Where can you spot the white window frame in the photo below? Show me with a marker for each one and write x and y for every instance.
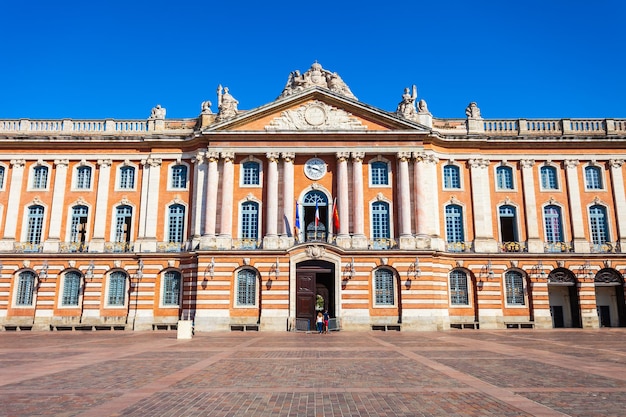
(16, 285)
(241, 172)
(601, 177)
(170, 174)
(180, 290)
(3, 182)
(118, 176)
(62, 279)
(379, 159)
(166, 216)
(76, 170)
(443, 175)
(607, 222)
(513, 181)
(249, 199)
(468, 286)
(557, 173)
(381, 198)
(524, 290)
(564, 238)
(25, 217)
(31, 176)
(70, 216)
(108, 287)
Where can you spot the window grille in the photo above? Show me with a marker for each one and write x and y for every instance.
(117, 289)
(176, 221)
(454, 223)
(79, 221)
(40, 177)
(593, 178)
(504, 176)
(83, 177)
(249, 220)
(552, 219)
(548, 178)
(458, 288)
(380, 220)
(599, 229)
(451, 177)
(127, 178)
(35, 224)
(383, 287)
(122, 222)
(514, 284)
(246, 287)
(71, 289)
(25, 288)
(1, 176)
(171, 288)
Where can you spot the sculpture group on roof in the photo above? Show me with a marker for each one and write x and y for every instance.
(158, 113)
(316, 76)
(226, 104)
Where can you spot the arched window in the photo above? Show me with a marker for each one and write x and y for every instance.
(458, 288)
(123, 222)
(514, 285)
(249, 220)
(454, 223)
(25, 288)
(171, 288)
(251, 173)
(35, 225)
(598, 224)
(451, 177)
(384, 290)
(380, 220)
(379, 173)
(78, 227)
(127, 178)
(40, 177)
(176, 223)
(315, 208)
(246, 287)
(549, 179)
(117, 289)
(179, 176)
(508, 223)
(83, 177)
(593, 178)
(553, 224)
(71, 289)
(504, 177)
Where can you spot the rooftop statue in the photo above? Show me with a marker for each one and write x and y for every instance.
(316, 76)
(406, 108)
(472, 111)
(158, 113)
(206, 107)
(226, 104)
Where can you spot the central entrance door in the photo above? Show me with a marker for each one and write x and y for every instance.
(315, 291)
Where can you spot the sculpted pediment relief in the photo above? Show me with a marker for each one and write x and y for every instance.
(315, 115)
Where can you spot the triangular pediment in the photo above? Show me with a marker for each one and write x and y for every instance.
(316, 110)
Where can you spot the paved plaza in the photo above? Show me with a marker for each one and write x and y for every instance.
(455, 373)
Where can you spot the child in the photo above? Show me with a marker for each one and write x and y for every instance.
(326, 318)
(320, 322)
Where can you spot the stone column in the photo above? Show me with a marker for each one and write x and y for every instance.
(581, 244)
(224, 240)
(13, 205)
(359, 240)
(149, 216)
(287, 239)
(102, 201)
(343, 237)
(617, 179)
(404, 198)
(270, 241)
(208, 240)
(481, 202)
(56, 210)
(426, 202)
(198, 200)
(535, 244)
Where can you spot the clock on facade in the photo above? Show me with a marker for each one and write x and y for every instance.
(315, 168)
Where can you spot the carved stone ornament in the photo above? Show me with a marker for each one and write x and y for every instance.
(316, 76)
(527, 163)
(26, 263)
(315, 116)
(117, 263)
(71, 263)
(561, 276)
(315, 251)
(514, 263)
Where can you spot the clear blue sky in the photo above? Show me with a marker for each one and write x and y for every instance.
(118, 59)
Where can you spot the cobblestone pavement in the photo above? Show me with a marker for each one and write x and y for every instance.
(384, 374)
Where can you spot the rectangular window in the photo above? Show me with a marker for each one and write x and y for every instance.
(514, 288)
(548, 178)
(458, 288)
(83, 178)
(179, 176)
(451, 177)
(71, 289)
(25, 287)
(246, 287)
(379, 173)
(171, 288)
(40, 177)
(251, 173)
(117, 289)
(127, 178)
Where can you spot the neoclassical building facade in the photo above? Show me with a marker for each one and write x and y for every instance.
(256, 219)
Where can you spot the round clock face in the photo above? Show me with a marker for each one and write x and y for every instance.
(315, 168)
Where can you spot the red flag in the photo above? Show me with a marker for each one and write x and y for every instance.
(335, 215)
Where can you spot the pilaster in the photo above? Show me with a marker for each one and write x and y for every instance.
(56, 211)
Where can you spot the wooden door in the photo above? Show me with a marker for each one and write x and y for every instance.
(305, 297)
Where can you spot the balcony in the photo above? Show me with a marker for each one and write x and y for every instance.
(558, 247)
(119, 247)
(246, 244)
(27, 247)
(459, 247)
(514, 247)
(71, 247)
(382, 243)
(172, 246)
(606, 247)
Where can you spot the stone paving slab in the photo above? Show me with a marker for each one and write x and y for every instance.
(384, 374)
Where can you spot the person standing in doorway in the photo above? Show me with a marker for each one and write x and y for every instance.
(320, 322)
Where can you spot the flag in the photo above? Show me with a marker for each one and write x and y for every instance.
(317, 215)
(335, 216)
(297, 224)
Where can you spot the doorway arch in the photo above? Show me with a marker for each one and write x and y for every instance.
(564, 300)
(609, 288)
(315, 280)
